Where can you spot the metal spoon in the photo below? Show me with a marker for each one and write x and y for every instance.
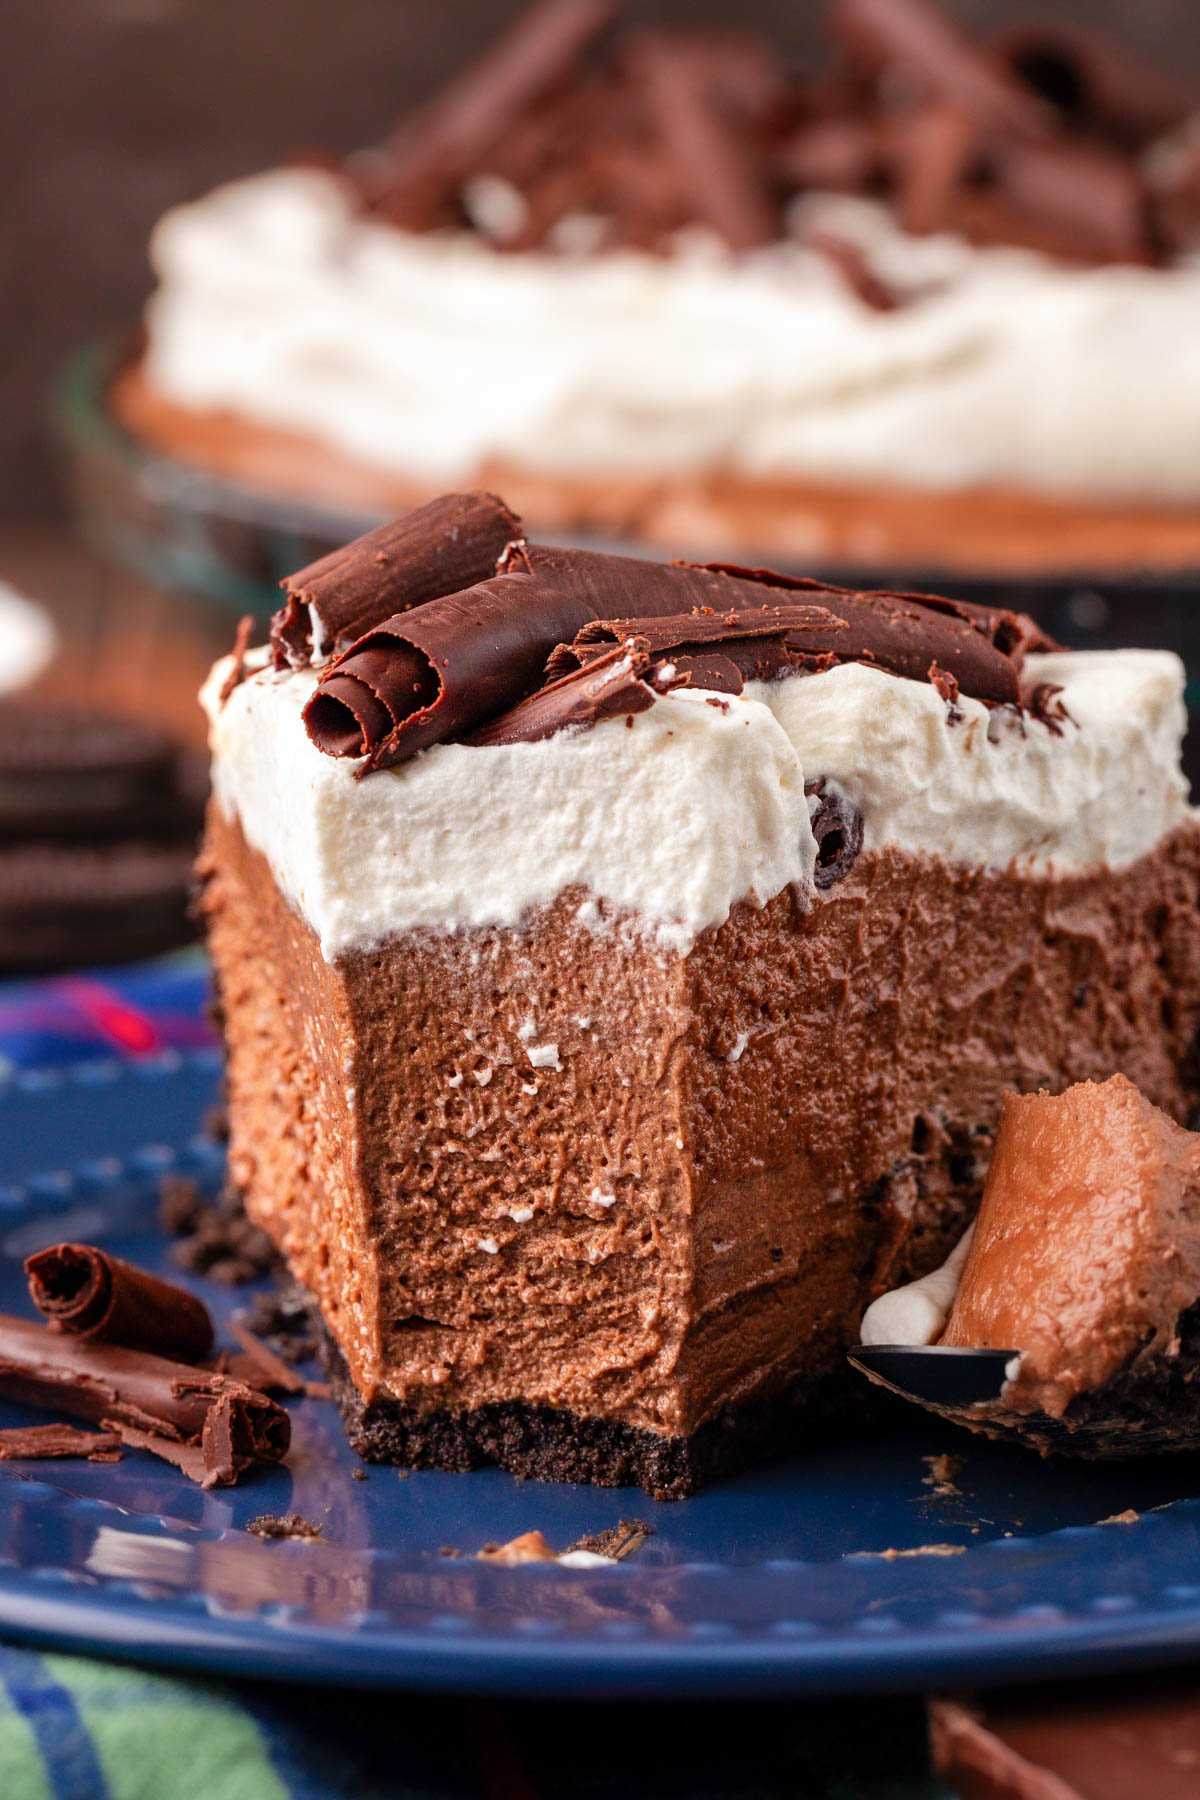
(966, 1385)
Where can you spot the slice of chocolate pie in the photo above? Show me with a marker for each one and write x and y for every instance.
(622, 963)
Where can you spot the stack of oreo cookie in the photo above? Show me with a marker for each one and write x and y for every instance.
(98, 820)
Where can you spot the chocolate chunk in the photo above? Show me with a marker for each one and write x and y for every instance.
(92, 1295)
(450, 544)
(29, 1443)
(922, 43)
(837, 826)
(210, 1425)
(444, 141)
(713, 163)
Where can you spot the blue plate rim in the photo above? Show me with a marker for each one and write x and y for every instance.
(771, 1655)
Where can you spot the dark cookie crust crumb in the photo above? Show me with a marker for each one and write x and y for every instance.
(545, 1444)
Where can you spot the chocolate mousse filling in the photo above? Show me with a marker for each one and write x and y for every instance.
(674, 1230)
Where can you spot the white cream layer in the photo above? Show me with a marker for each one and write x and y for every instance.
(699, 802)
(433, 355)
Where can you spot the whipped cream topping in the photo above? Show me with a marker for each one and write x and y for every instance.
(432, 355)
(27, 639)
(916, 1313)
(696, 803)
(699, 803)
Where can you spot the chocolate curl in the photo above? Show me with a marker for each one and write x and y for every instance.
(209, 1425)
(1094, 81)
(906, 634)
(843, 153)
(713, 161)
(443, 669)
(610, 684)
(718, 651)
(916, 37)
(1073, 200)
(443, 142)
(94, 1296)
(933, 152)
(449, 544)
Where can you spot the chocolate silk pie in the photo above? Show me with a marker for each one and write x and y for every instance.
(931, 306)
(622, 963)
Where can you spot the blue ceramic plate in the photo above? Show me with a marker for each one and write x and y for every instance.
(842, 1569)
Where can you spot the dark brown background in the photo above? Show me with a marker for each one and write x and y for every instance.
(112, 109)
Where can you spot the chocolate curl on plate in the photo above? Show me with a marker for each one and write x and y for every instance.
(211, 1426)
(611, 683)
(445, 668)
(851, 263)
(1095, 82)
(449, 544)
(710, 152)
(443, 142)
(94, 1296)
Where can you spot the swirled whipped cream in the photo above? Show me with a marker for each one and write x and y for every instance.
(430, 355)
(678, 814)
(27, 639)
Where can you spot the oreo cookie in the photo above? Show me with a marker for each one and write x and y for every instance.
(99, 817)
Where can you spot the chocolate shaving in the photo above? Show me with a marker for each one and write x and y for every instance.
(237, 669)
(450, 544)
(30, 1443)
(850, 261)
(837, 826)
(444, 141)
(712, 161)
(454, 665)
(541, 145)
(445, 668)
(606, 686)
(94, 1296)
(917, 39)
(259, 1367)
(211, 1425)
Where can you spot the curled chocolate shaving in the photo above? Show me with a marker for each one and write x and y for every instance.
(445, 668)
(926, 44)
(210, 1425)
(444, 141)
(713, 162)
(237, 663)
(92, 1295)
(449, 544)
(837, 826)
(606, 686)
